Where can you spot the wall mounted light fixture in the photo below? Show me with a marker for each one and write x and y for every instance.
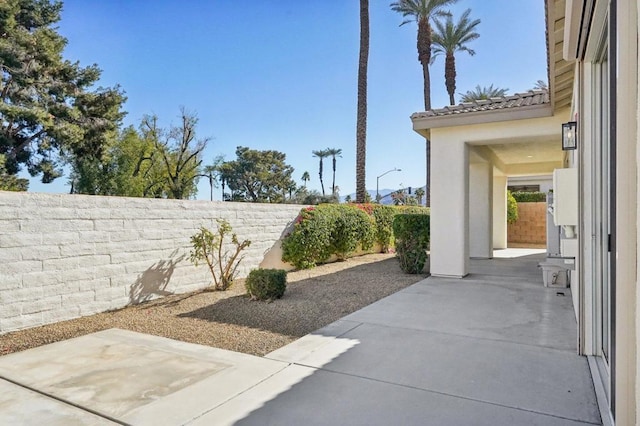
(569, 135)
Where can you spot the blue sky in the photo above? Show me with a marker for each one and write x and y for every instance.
(281, 74)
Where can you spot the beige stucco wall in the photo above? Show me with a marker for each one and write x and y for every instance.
(64, 256)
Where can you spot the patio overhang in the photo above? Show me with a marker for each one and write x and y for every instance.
(475, 146)
(423, 122)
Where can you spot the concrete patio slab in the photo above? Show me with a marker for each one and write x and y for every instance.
(327, 398)
(495, 348)
(480, 306)
(20, 406)
(136, 378)
(526, 377)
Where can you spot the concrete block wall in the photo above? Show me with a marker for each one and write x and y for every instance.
(65, 256)
(531, 226)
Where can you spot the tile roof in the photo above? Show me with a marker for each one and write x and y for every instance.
(518, 100)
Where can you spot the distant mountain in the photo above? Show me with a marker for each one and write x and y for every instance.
(385, 195)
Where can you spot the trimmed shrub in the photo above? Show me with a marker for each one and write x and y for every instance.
(266, 284)
(383, 216)
(326, 230)
(352, 229)
(339, 229)
(529, 197)
(412, 241)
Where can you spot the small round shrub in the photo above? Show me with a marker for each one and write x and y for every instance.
(266, 284)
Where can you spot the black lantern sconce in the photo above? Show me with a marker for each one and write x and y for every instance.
(569, 135)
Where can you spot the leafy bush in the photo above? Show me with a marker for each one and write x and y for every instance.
(383, 216)
(266, 284)
(310, 241)
(512, 208)
(339, 230)
(529, 197)
(208, 247)
(412, 241)
(352, 229)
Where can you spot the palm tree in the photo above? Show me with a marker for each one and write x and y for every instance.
(480, 93)
(419, 195)
(423, 11)
(321, 154)
(306, 178)
(541, 85)
(450, 38)
(361, 120)
(334, 152)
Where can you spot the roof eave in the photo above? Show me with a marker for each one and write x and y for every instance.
(421, 125)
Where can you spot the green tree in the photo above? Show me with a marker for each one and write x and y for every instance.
(361, 117)
(334, 152)
(121, 170)
(422, 12)
(449, 38)
(49, 110)
(258, 176)
(480, 93)
(211, 172)
(321, 154)
(306, 178)
(178, 154)
(11, 182)
(419, 195)
(152, 162)
(541, 85)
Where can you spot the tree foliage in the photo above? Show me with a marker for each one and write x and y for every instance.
(480, 93)
(258, 176)
(450, 37)
(49, 109)
(152, 162)
(11, 182)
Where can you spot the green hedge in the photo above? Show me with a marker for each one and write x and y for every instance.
(512, 208)
(340, 229)
(529, 197)
(412, 241)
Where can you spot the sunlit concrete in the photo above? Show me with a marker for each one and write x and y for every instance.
(494, 348)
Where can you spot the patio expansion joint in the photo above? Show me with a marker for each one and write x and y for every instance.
(509, 342)
(229, 398)
(449, 395)
(64, 401)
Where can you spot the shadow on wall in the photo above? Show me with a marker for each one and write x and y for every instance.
(273, 256)
(153, 282)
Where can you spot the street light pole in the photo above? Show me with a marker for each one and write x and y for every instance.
(378, 182)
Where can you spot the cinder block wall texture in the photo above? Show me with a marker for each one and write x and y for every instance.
(65, 256)
(531, 226)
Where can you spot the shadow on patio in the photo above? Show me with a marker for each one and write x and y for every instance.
(494, 348)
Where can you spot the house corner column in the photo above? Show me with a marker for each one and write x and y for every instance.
(449, 208)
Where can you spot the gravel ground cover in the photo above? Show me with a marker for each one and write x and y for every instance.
(230, 320)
